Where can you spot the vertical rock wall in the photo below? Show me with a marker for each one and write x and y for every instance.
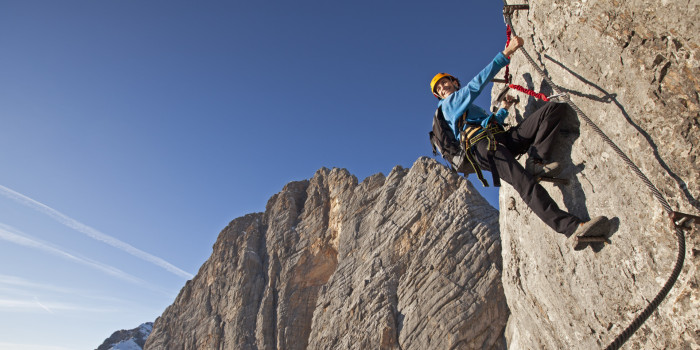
(407, 261)
(634, 68)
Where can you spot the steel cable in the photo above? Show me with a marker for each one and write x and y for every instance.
(654, 304)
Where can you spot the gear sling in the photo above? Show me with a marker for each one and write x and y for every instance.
(459, 154)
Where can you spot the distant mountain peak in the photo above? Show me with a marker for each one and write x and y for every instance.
(132, 339)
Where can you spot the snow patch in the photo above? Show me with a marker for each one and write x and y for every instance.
(126, 345)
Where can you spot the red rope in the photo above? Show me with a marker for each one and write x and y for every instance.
(508, 33)
(538, 95)
(507, 42)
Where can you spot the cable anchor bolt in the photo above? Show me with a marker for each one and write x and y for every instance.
(562, 95)
(684, 221)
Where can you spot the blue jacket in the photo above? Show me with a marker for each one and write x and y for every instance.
(454, 105)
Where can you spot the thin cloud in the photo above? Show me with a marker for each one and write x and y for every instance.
(41, 305)
(12, 235)
(24, 305)
(17, 346)
(21, 282)
(20, 286)
(91, 232)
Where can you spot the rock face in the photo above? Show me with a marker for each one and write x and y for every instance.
(634, 68)
(407, 261)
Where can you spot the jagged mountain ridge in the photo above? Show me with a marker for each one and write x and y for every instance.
(410, 260)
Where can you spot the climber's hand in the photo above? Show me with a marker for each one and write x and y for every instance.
(515, 43)
(508, 101)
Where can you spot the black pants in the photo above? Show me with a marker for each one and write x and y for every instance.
(538, 131)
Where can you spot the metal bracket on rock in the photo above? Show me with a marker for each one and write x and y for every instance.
(555, 180)
(502, 94)
(684, 221)
(508, 10)
(594, 239)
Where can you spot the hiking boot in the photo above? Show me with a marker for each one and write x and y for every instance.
(593, 231)
(538, 168)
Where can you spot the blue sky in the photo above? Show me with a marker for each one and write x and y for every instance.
(134, 131)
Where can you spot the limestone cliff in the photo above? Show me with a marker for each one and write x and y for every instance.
(407, 261)
(632, 67)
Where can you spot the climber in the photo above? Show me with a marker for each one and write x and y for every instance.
(493, 146)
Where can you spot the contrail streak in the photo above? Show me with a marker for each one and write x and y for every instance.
(91, 232)
(43, 306)
(20, 286)
(12, 235)
(28, 305)
(16, 346)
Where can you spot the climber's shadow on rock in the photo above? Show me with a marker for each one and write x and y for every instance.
(573, 195)
(612, 97)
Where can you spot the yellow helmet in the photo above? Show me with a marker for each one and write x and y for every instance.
(437, 78)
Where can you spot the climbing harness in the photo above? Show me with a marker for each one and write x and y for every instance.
(475, 133)
(680, 221)
(458, 154)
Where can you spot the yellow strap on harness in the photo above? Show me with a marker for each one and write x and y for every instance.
(488, 134)
(493, 129)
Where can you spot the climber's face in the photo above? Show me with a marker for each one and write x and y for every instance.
(445, 87)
